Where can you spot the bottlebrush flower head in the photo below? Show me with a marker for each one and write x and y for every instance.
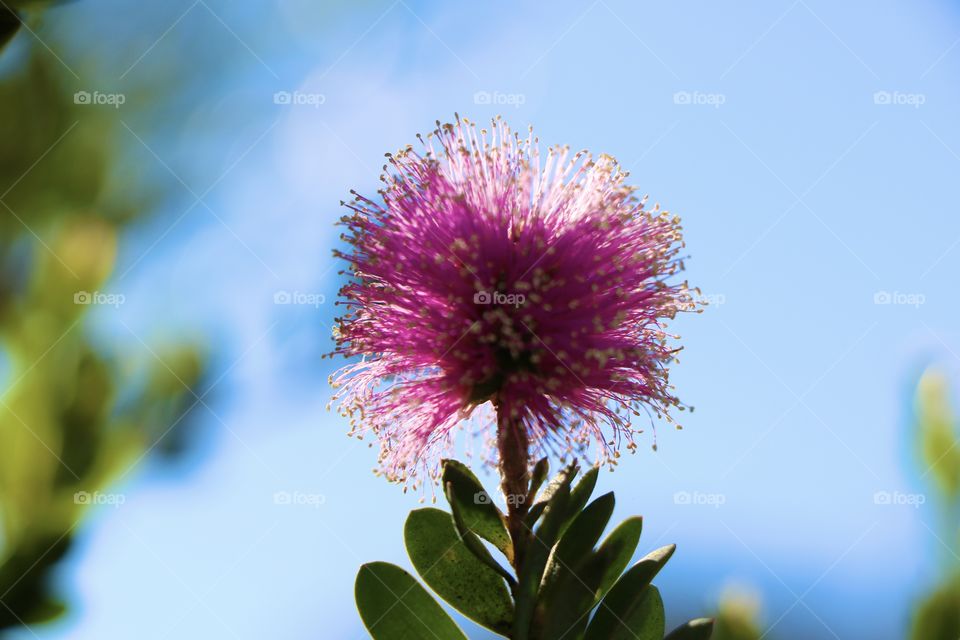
(488, 279)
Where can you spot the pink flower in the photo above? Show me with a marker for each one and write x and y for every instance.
(487, 276)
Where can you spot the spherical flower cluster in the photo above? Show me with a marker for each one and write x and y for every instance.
(491, 284)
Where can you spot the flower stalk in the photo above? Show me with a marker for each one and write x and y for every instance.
(514, 450)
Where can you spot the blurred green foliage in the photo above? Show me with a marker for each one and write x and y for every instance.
(937, 615)
(936, 433)
(737, 617)
(73, 415)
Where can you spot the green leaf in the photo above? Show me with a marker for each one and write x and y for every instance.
(537, 478)
(538, 550)
(626, 598)
(564, 604)
(617, 549)
(579, 495)
(562, 612)
(565, 477)
(394, 606)
(534, 514)
(578, 541)
(582, 492)
(474, 506)
(648, 567)
(699, 629)
(629, 616)
(473, 544)
(451, 570)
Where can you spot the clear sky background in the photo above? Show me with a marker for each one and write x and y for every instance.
(805, 194)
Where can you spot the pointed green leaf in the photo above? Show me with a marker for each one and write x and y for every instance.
(534, 514)
(451, 570)
(477, 548)
(565, 477)
(647, 568)
(564, 604)
(617, 549)
(582, 492)
(394, 606)
(540, 472)
(699, 629)
(541, 542)
(579, 539)
(476, 509)
(579, 495)
(562, 611)
(630, 616)
(626, 597)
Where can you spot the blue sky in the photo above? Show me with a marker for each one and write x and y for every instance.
(810, 148)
